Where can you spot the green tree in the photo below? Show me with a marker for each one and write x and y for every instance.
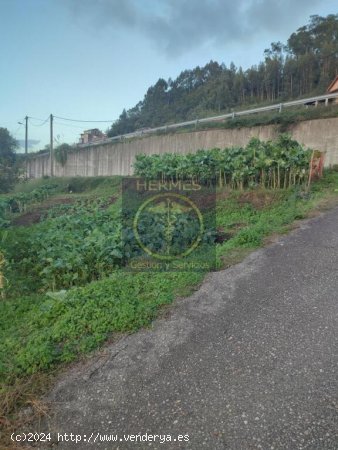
(8, 167)
(303, 67)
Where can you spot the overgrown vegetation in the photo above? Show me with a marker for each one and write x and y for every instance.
(61, 153)
(40, 329)
(282, 120)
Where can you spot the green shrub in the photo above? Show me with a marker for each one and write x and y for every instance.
(61, 153)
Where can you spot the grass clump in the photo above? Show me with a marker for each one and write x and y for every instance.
(59, 326)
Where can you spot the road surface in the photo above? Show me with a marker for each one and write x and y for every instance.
(249, 361)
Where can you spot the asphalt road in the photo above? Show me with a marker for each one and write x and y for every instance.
(248, 362)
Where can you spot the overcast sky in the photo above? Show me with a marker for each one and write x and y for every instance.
(89, 59)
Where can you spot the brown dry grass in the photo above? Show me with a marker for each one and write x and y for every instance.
(259, 199)
(20, 405)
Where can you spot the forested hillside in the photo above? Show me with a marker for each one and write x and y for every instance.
(304, 65)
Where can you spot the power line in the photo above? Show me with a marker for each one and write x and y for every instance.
(37, 118)
(17, 130)
(68, 125)
(88, 121)
(41, 120)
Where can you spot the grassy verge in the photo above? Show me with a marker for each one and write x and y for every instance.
(42, 332)
(282, 120)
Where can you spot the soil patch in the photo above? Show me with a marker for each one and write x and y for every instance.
(222, 236)
(34, 215)
(258, 199)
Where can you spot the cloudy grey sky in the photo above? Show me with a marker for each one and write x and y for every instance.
(87, 59)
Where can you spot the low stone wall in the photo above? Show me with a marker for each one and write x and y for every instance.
(117, 158)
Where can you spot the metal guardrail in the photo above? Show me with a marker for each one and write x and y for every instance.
(278, 106)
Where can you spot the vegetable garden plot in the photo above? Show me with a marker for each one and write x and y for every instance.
(273, 165)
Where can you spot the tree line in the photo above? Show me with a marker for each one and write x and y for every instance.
(303, 66)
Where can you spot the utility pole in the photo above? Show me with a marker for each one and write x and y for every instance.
(51, 145)
(26, 147)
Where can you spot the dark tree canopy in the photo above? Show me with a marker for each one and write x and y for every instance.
(303, 66)
(8, 169)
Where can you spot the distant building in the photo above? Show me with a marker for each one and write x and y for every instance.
(92, 135)
(333, 88)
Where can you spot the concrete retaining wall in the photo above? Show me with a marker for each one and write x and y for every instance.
(117, 158)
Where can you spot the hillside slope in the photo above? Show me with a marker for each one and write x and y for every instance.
(302, 67)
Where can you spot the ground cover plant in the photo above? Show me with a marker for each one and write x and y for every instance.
(65, 290)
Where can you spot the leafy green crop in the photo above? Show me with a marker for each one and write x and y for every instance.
(70, 249)
(17, 203)
(274, 165)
